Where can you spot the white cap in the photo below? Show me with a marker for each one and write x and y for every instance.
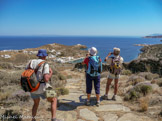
(93, 51)
(116, 49)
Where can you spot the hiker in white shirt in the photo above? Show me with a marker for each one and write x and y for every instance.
(43, 75)
(115, 66)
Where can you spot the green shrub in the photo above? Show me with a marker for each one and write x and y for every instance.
(69, 77)
(61, 77)
(62, 91)
(56, 82)
(137, 92)
(145, 89)
(126, 72)
(134, 95)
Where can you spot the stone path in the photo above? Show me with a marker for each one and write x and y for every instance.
(72, 108)
(73, 104)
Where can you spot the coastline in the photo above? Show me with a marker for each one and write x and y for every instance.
(103, 44)
(56, 52)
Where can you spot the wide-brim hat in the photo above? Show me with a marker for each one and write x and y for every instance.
(116, 49)
(42, 53)
(93, 51)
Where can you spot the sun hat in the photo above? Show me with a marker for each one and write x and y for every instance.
(93, 51)
(116, 49)
(42, 53)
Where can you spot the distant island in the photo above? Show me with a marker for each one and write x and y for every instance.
(153, 36)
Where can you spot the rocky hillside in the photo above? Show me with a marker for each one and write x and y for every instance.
(139, 95)
(56, 53)
(149, 60)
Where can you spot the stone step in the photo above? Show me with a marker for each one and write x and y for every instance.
(112, 108)
(88, 115)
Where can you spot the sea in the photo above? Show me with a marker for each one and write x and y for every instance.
(103, 44)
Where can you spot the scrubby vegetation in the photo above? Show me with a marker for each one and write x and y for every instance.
(10, 89)
(133, 80)
(138, 91)
(62, 91)
(159, 82)
(126, 72)
(6, 65)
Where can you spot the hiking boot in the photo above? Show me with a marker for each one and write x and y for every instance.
(87, 103)
(105, 97)
(98, 103)
(114, 98)
(55, 119)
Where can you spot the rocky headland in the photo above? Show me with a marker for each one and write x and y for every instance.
(149, 60)
(139, 95)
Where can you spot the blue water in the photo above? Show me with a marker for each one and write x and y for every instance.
(103, 44)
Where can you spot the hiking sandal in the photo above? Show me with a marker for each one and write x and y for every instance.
(88, 103)
(98, 103)
(105, 97)
(114, 98)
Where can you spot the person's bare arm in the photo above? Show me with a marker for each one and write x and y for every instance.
(48, 76)
(107, 56)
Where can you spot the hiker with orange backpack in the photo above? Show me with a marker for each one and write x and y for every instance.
(94, 68)
(115, 67)
(43, 74)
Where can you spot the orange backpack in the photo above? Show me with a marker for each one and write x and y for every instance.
(29, 82)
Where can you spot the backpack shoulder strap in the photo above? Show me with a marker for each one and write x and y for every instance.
(112, 59)
(39, 65)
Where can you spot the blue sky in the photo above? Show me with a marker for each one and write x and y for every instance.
(80, 17)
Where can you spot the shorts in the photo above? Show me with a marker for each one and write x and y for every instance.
(112, 76)
(36, 96)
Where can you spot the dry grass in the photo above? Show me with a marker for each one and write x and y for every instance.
(144, 104)
(4, 95)
(133, 80)
(5, 65)
(8, 78)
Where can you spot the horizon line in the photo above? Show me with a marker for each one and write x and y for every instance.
(71, 36)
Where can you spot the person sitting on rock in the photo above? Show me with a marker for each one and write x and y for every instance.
(94, 68)
(115, 66)
(43, 75)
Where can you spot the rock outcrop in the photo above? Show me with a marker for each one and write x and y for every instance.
(150, 60)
